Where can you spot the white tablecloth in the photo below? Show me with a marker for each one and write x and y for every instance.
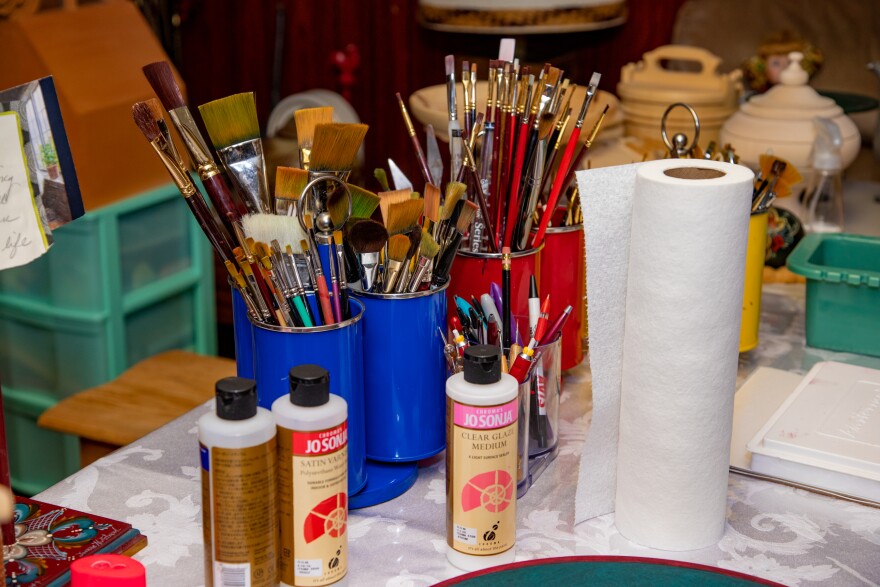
(774, 532)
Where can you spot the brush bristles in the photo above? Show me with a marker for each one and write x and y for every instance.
(404, 215)
(156, 108)
(161, 79)
(468, 213)
(594, 80)
(231, 120)
(335, 146)
(307, 119)
(289, 182)
(545, 126)
(450, 65)
(454, 191)
(367, 236)
(432, 202)
(268, 227)
(144, 119)
(429, 247)
(398, 246)
(363, 202)
(415, 239)
(386, 199)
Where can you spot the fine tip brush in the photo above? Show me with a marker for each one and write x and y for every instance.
(234, 129)
(161, 78)
(145, 117)
(454, 127)
(306, 119)
(411, 130)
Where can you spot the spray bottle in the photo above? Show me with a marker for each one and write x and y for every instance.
(312, 480)
(824, 201)
(481, 462)
(237, 446)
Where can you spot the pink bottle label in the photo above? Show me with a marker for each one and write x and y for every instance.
(484, 417)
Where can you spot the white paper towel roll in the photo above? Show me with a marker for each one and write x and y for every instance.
(678, 353)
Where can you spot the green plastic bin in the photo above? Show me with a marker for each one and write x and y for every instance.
(843, 291)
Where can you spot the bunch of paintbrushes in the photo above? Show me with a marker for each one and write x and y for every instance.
(773, 180)
(284, 251)
(508, 155)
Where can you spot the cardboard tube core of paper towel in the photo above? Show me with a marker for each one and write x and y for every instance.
(694, 173)
(680, 348)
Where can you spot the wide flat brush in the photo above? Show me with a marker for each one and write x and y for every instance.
(234, 129)
(404, 215)
(161, 79)
(289, 185)
(144, 117)
(336, 146)
(388, 198)
(398, 246)
(306, 119)
(454, 192)
(367, 238)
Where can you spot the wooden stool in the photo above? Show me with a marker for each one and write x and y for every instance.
(146, 397)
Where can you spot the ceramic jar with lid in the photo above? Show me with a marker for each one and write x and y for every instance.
(647, 88)
(781, 121)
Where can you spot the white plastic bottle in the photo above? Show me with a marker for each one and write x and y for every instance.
(239, 507)
(481, 462)
(312, 480)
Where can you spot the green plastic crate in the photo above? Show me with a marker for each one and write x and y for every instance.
(843, 291)
(120, 284)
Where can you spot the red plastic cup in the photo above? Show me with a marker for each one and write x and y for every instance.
(564, 277)
(107, 570)
(472, 273)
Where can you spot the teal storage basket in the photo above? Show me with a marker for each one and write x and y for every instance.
(843, 291)
(122, 283)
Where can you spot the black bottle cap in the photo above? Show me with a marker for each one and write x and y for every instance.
(309, 386)
(236, 398)
(482, 364)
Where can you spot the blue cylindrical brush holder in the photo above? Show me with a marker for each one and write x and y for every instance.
(405, 374)
(338, 348)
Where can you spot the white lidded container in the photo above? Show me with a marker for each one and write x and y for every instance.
(780, 122)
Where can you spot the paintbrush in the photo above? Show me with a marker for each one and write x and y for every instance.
(455, 150)
(411, 130)
(382, 178)
(289, 185)
(505, 293)
(144, 116)
(484, 223)
(428, 249)
(235, 131)
(518, 161)
(275, 282)
(336, 146)
(415, 241)
(553, 149)
(404, 215)
(345, 313)
(460, 219)
(258, 294)
(532, 184)
(367, 238)
(454, 192)
(432, 204)
(161, 79)
(306, 119)
(319, 281)
(386, 199)
(562, 172)
(398, 246)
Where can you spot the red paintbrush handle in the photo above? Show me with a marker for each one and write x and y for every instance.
(513, 197)
(557, 185)
(507, 164)
(324, 299)
(578, 161)
(222, 200)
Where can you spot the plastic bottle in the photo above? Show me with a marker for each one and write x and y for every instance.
(312, 480)
(239, 507)
(824, 201)
(481, 462)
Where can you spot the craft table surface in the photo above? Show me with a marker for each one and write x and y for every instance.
(774, 532)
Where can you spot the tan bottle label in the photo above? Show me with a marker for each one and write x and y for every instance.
(313, 486)
(240, 516)
(481, 469)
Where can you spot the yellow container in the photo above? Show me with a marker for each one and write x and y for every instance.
(751, 315)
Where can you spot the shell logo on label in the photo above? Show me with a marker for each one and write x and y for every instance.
(492, 490)
(328, 517)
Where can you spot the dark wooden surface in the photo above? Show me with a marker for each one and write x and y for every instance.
(227, 46)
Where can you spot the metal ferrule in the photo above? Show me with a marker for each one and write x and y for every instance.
(369, 265)
(305, 157)
(473, 88)
(490, 100)
(591, 91)
(450, 96)
(172, 164)
(392, 272)
(466, 82)
(406, 119)
(195, 145)
(595, 131)
(247, 169)
(419, 275)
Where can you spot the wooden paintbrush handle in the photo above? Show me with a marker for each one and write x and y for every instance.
(222, 200)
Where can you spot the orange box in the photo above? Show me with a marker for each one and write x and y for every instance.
(95, 54)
